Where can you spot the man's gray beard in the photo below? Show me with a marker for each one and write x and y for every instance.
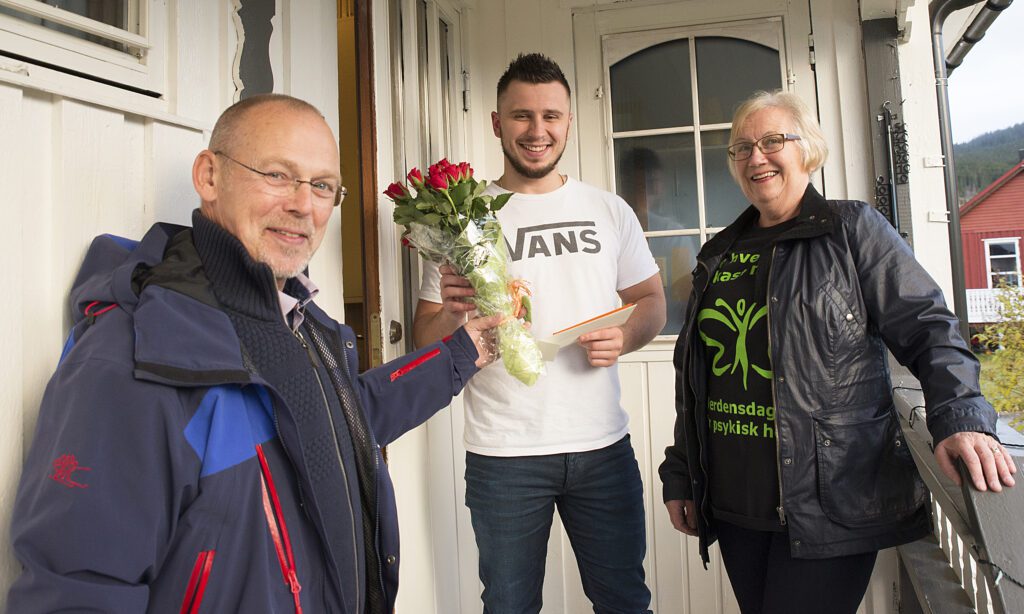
(530, 173)
(280, 273)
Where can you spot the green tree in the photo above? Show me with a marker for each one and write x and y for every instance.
(1001, 380)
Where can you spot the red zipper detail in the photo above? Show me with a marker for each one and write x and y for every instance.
(102, 311)
(278, 530)
(197, 582)
(413, 364)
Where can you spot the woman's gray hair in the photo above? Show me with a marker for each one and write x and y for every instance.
(812, 140)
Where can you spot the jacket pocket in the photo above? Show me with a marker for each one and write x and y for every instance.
(197, 582)
(866, 475)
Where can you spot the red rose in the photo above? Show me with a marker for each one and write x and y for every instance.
(396, 191)
(466, 170)
(453, 174)
(416, 178)
(438, 181)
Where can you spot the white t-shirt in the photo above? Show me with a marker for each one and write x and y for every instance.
(576, 247)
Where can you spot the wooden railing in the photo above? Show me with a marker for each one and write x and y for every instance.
(975, 560)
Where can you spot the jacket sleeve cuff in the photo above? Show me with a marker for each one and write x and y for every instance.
(676, 490)
(963, 419)
(464, 355)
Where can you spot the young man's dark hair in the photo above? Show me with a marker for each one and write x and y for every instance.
(532, 68)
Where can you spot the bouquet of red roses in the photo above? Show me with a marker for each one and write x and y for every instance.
(450, 219)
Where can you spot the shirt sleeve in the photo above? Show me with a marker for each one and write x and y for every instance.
(430, 284)
(635, 260)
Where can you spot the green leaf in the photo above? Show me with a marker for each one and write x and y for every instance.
(479, 189)
(431, 219)
(500, 200)
(460, 192)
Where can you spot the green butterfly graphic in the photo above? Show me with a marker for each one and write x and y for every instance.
(739, 320)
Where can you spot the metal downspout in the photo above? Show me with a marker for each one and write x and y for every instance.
(938, 11)
(975, 32)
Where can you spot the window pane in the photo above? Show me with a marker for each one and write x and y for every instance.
(1003, 265)
(1002, 249)
(651, 88)
(111, 12)
(729, 70)
(657, 176)
(676, 258)
(723, 200)
(1010, 279)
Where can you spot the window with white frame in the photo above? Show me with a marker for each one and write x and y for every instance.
(111, 41)
(672, 94)
(1002, 261)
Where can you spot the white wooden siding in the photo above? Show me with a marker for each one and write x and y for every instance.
(79, 159)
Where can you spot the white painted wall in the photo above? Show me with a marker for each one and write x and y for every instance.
(81, 158)
(927, 187)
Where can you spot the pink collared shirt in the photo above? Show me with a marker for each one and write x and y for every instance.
(291, 306)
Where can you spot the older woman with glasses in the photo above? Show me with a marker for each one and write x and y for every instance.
(787, 447)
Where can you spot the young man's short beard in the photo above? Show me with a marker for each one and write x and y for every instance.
(530, 173)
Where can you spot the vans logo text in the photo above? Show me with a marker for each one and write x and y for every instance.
(565, 238)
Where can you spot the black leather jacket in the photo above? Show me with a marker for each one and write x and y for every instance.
(842, 287)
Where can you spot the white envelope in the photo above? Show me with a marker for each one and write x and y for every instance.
(549, 347)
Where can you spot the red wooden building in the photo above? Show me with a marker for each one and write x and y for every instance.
(991, 227)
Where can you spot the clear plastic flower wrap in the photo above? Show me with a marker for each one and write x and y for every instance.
(450, 220)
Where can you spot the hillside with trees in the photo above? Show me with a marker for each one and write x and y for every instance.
(984, 159)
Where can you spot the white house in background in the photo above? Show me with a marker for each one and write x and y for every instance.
(102, 111)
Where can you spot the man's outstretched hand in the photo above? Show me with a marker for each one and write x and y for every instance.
(481, 331)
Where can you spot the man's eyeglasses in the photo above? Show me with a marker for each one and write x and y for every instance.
(280, 183)
(769, 143)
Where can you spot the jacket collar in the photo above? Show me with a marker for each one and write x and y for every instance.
(815, 218)
(239, 282)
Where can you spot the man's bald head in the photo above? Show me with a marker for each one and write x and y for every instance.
(231, 126)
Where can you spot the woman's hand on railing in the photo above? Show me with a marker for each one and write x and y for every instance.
(989, 464)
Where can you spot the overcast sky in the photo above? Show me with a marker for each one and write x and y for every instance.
(986, 92)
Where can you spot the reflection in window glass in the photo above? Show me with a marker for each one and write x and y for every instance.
(676, 258)
(1002, 249)
(651, 88)
(723, 200)
(729, 70)
(657, 176)
(111, 12)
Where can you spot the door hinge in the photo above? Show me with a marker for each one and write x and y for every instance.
(810, 49)
(465, 90)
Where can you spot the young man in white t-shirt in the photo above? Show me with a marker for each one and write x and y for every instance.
(564, 441)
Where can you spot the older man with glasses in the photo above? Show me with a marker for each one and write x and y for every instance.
(207, 443)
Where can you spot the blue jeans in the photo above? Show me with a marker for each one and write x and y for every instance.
(599, 497)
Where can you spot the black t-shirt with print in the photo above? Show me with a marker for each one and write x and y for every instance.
(733, 327)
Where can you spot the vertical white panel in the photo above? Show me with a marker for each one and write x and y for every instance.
(198, 32)
(841, 101)
(97, 188)
(881, 588)
(921, 114)
(170, 196)
(18, 211)
(412, 479)
(310, 42)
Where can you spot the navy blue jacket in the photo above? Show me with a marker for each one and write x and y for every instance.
(158, 480)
